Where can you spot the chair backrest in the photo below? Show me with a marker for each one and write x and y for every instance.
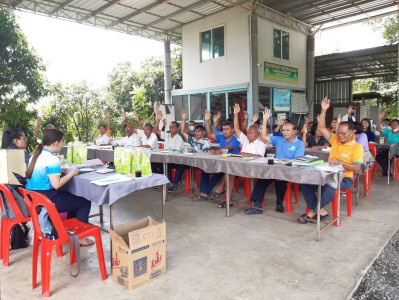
(33, 200)
(11, 201)
(373, 149)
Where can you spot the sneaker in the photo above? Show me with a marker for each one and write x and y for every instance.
(172, 188)
(279, 208)
(252, 211)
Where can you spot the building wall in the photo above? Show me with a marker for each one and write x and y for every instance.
(231, 69)
(298, 48)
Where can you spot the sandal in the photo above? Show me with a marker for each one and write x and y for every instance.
(85, 242)
(323, 217)
(217, 195)
(304, 219)
(223, 204)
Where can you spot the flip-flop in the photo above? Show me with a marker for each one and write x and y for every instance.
(223, 204)
(217, 195)
(85, 242)
(304, 219)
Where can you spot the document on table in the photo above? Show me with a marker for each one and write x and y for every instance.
(111, 179)
(262, 160)
(327, 167)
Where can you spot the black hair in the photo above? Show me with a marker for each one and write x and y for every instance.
(313, 128)
(349, 124)
(148, 125)
(174, 122)
(101, 125)
(257, 122)
(9, 136)
(230, 120)
(395, 120)
(191, 121)
(368, 122)
(358, 127)
(50, 136)
(229, 123)
(200, 127)
(294, 127)
(334, 119)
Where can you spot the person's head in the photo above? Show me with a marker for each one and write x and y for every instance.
(387, 122)
(366, 125)
(128, 130)
(50, 126)
(102, 129)
(14, 136)
(314, 131)
(310, 124)
(147, 129)
(52, 139)
(228, 129)
(252, 133)
(173, 127)
(199, 132)
(289, 131)
(334, 124)
(357, 127)
(345, 132)
(394, 124)
(191, 126)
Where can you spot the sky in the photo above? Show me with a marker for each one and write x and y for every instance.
(75, 52)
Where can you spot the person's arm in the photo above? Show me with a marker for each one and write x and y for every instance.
(208, 125)
(305, 137)
(236, 123)
(108, 123)
(57, 181)
(245, 123)
(355, 167)
(264, 134)
(350, 111)
(219, 151)
(156, 126)
(279, 125)
(382, 115)
(184, 116)
(325, 104)
(123, 116)
(37, 127)
(256, 118)
(216, 120)
(137, 118)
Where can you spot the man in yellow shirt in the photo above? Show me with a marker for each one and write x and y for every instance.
(105, 133)
(344, 151)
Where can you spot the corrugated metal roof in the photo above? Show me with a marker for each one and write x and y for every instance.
(163, 19)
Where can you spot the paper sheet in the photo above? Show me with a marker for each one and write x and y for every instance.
(111, 179)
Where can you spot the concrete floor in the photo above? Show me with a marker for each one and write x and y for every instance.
(210, 256)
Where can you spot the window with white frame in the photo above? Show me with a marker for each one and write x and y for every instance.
(212, 43)
(281, 44)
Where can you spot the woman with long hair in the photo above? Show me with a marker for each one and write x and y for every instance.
(360, 137)
(366, 127)
(44, 177)
(315, 140)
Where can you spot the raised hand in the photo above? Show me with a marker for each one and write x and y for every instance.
(237, 108)
(318, 118)
(382, 115)
(325, 104)
(256, 118)
(350, 110)
(137, 118)
(164, 122)
(282, 121)
(107, 113)
(339, 118)
(207, 115)
(307, 120)
(159, 115)
(123, 116)
(184, 115)
(39, 121)
(246, 115)
(266, 115)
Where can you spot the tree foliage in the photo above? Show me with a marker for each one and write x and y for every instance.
(388, 26)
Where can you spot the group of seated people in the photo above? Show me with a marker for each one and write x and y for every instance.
(348, 141)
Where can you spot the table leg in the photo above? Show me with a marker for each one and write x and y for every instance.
(227, 195)
(111, 226)
(192, 182)
(318, 211)
(339, 199)
(101, 215)
(164, 193)
(367, 192)
(389, 165)
(165, 172)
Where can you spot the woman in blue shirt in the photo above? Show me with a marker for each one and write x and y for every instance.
(44, 177)
(366, 124)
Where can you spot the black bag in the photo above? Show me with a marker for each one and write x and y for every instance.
(19, 236)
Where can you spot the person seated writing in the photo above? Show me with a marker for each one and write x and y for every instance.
(251, 146)
(44, 177)
(344, 151)
(148, 139)
(287, 147)
(105, 133)
(315, 140)
(226, 141)
(392, 136)
(198, 143)
(131, 138)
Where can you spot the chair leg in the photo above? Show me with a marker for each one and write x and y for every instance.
(197, 177)
(100, 254)
(58, 250)
(375, 169)
(296, 191)
(288, 198)
(335, 208)
(236, 184)
(6, 242)
(1, 238)
(365, 187)
(35, 253)
(187, 179)
(247, 188)
(46, 268)
(395, 161)
(349, 202)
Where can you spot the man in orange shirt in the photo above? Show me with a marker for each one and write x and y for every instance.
(344, 151)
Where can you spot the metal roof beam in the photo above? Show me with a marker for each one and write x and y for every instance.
(141, 10)
(61, 6)
(102, 8)
(187, 8)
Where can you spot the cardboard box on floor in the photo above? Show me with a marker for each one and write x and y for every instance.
(138, 252)
(12, 161)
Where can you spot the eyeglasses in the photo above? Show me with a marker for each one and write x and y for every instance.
(341, 133)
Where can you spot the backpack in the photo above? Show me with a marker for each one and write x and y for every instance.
(19, 236)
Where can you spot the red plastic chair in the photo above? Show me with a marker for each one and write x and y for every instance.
(7, 224)
(348, 194)
(247, 187)
(82, 230)
(288, 196)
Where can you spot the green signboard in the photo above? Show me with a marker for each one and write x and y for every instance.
(280, 72)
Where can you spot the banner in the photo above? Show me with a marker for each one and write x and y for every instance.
(282, 99)
(280, 72)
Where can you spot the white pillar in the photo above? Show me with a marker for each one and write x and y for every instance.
(254, 84)
(310, 65)
(167, 73)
